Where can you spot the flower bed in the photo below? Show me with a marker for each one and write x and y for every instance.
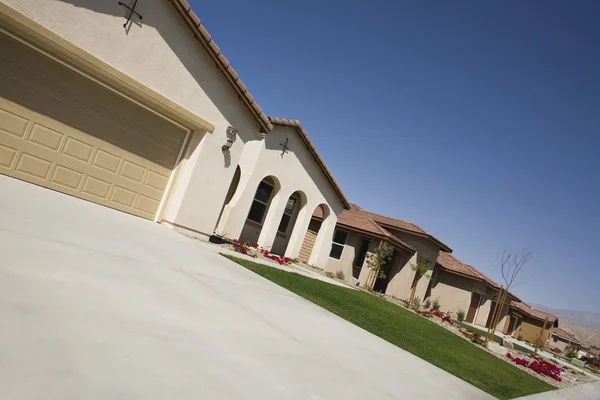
(540, 366)
(254, 250)
(475, 338)
(433, 313)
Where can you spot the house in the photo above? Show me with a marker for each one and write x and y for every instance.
(148, 117)
(561, 339)
(360, 232)
(527, 323)
(460, 286)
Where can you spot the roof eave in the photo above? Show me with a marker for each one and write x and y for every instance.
(202, 35)
(442, 245)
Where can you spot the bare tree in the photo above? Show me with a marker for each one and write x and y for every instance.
(511, 266)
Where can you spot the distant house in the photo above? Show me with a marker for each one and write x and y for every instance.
(460, 286)
(527, 322)
(561, 339)
(359, 232)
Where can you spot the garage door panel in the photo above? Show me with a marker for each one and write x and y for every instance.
(128, 127)
(51, 138)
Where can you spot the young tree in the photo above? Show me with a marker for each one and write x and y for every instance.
(421, 269)
(511, 265)
(377, 261)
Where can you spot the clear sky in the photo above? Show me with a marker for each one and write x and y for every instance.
(479, 121)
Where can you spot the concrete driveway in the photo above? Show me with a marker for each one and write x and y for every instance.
(97, 304)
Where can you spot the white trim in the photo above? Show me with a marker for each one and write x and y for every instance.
(163, 200)
(91, 78)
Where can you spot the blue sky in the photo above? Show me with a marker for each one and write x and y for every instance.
(479, 121)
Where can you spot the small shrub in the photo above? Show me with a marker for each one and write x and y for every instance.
(416, 303)
(340, 275)
(427, 303)
(520, 337)
(460, 315)
(329, 274)
(436, 306)
(571, 351)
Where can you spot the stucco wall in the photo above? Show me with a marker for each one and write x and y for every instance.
(400, 284)
(351, 248)
(453, 291)
(161, 53)
(530, 330)
(558, 342)
(294, 171)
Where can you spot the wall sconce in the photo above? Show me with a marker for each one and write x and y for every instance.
(231, 132)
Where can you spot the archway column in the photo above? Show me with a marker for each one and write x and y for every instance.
(299, 231)
(235, 213)
(272, 220)
(322, 247)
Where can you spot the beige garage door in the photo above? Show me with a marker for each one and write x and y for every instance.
(61, 130)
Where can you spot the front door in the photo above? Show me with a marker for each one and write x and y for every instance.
(475, 300)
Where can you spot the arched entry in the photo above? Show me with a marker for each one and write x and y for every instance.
(266, 192)
(293, 207)
(319, 215)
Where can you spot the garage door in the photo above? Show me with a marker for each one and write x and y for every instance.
(63, 131)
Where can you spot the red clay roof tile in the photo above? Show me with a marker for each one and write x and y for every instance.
(532, 312)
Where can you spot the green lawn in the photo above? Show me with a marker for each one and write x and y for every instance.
(410, 332)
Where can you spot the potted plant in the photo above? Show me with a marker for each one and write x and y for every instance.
(218, 238)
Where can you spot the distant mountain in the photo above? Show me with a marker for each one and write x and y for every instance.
(583, 324)
(584, 318)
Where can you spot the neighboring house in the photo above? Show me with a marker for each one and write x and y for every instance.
(561, 339)
(460, 286)
(360, 232)
(148, 117)
(527, 323)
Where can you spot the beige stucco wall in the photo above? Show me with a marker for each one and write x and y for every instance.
(453, 291)
(401, 282)
(295, 171)
(161, 53)
(530, 330)
(351, 248)
(558, 342)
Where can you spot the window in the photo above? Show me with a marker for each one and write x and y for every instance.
(287, 215)
(260, 203)
(339, 241)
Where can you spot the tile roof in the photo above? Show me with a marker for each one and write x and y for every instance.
(452, 264)
(368, 226)
(296, 124)
(532, 312)
(565, 335)
(355, 215)
(202, 35)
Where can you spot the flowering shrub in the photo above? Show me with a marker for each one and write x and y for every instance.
(240, 246)
(433, 313)
(517, 360)
(475, 338)
(253, 250)
(540, 366)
